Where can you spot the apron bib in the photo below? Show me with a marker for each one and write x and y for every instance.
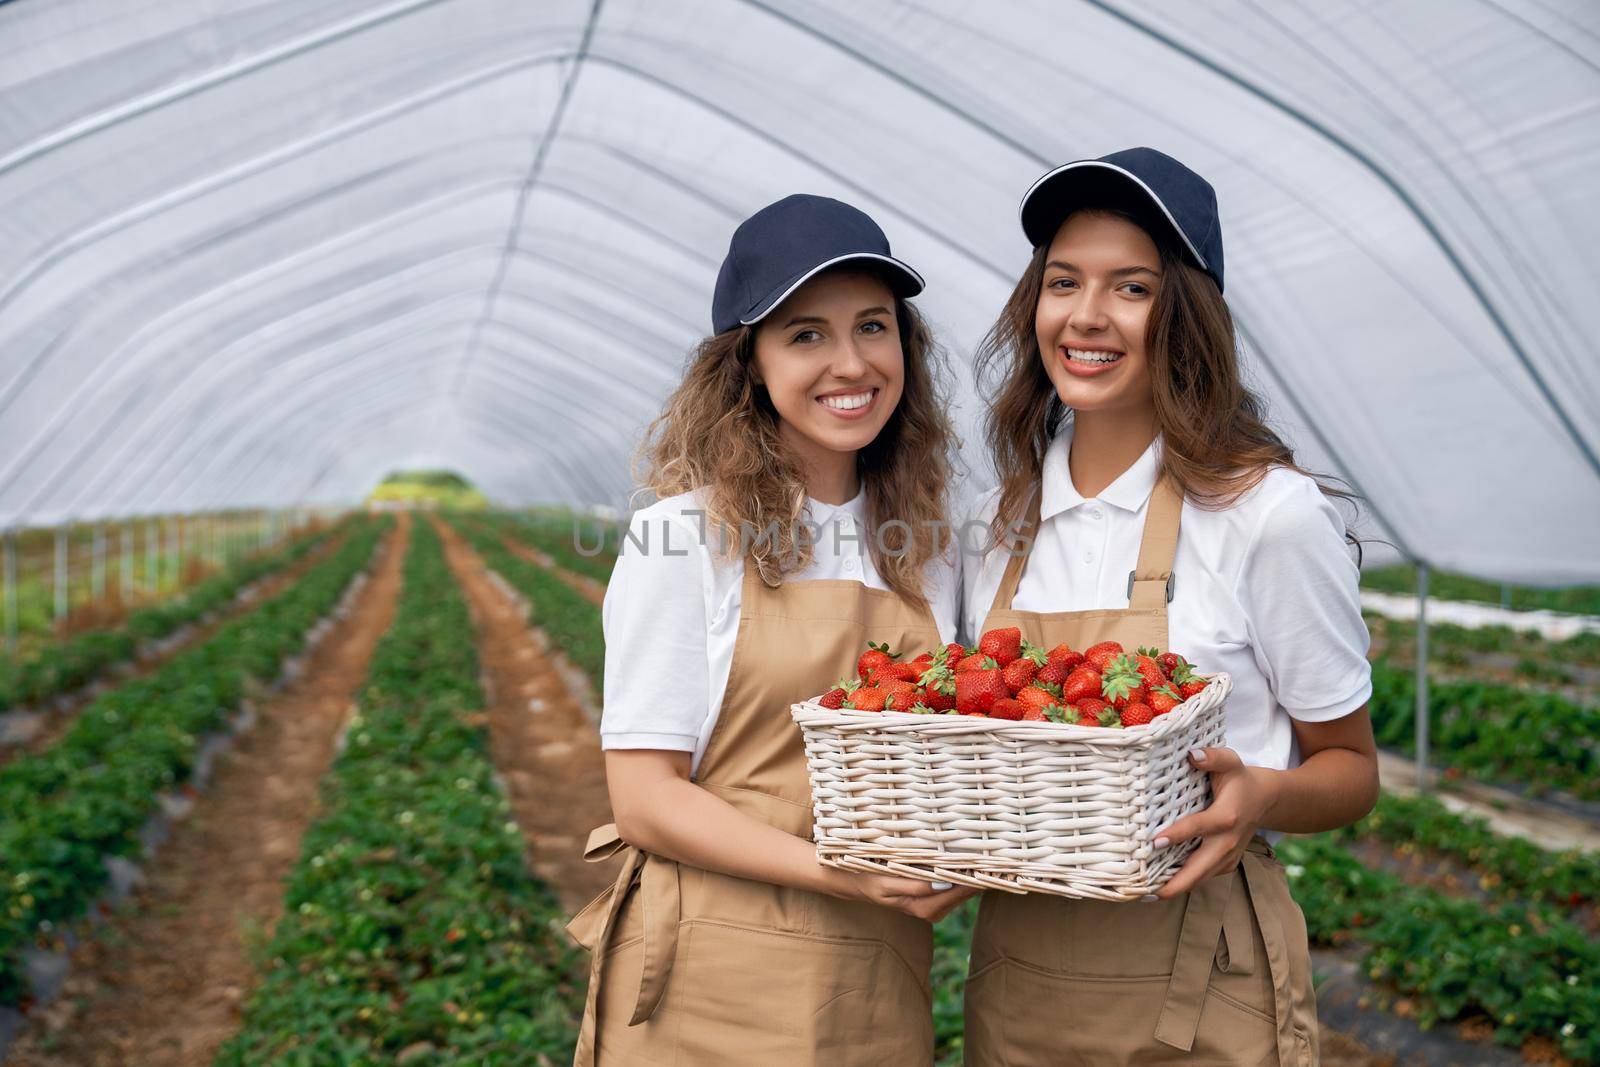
(691, 967)
(1219, 975)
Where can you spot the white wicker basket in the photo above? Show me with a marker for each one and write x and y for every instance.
(1018, 806)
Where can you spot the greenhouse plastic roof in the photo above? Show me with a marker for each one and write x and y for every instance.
(262, 253)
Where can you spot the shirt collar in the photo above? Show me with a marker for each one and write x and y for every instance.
(822, 513)
(1129, 492)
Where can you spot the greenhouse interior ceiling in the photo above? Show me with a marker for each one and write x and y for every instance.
(257, 254)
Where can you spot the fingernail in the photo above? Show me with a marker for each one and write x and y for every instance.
(1149, 898)
(1197, 754)
(942, 886)
(1160, 842)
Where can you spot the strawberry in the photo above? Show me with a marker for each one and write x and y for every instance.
(1018, 673)
(954, 652)
(1063, 653)
(1149, 670)
(1164, 699)
(1007, 708)
(905, 672)
(1067, 716)
(1100, 656)
(1002, 645)
(1191, 688)
(1082, 682)
(976, 691)
(1055, 671)
(1092, 711)
(1034, 697)
(874, 658)
(922, 662)
(1033, 712)
(1122, 684)
(938, 699)
(899, 695)
(867, 698)
(1138, 715)
(1169, 663)
(978, 661)
(833, 699)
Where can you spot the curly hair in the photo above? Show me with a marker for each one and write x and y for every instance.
(720, 432)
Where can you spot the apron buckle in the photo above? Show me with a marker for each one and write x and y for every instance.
(1131, 579)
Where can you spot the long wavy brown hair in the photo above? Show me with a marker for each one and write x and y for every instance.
(1216, 443)
(719, 432)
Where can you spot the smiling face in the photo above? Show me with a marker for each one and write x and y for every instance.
(831, 359)
(1100, 279)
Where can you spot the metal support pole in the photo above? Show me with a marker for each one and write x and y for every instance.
(98, 581)
(152, 556)
(61, 573)
(10, 579)
(175, 550)
(125, 572)
(1505, 595)
(1422, 677)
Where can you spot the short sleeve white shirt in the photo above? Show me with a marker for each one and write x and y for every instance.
(1266, 590)
(671, 616)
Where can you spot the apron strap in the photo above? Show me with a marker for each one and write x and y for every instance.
(1198, 945)
(1260, 883)
(1191, 967)
(657, 879)
(1150, 584)
(1018, 558)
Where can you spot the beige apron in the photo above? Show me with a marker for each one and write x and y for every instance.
(1219, 975)
(761, 974)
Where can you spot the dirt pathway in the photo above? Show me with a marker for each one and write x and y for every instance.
(36, 729)
(543, 744)
(161, 983)
(591, 590)
(1509, 814)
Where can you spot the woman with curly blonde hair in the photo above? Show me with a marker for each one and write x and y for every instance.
(800, 471)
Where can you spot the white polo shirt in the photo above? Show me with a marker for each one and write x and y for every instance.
(1266, 590)
(671, 616)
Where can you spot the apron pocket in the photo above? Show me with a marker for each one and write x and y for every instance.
(755, 995)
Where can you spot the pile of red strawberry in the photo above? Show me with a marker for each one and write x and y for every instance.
(1006, 677)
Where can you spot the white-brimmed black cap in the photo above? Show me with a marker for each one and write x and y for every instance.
(1184, 200)
(786, 244)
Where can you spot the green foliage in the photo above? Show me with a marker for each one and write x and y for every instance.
(1402, 579)
(62, 666)
(1523, 965)
(445, 489)
(1496, 733)
(581, 545)
(569, 619)
(411, 924)
(63, 810)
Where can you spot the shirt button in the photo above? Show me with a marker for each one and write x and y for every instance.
(1088, 557)
(850, 565)
(1095, 513)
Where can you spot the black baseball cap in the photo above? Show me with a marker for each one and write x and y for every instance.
(786, 244)
(1184, 203)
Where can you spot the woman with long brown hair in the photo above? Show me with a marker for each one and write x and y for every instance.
(1154, 506)
(800, 471)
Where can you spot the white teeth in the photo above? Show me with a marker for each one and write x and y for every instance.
(851, 402)
(1083, 355)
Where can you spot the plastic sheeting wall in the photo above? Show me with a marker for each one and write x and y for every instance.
(259, 253)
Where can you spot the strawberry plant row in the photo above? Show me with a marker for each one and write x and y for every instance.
(569, 619)
(1442, 585)
(558, 536)
(1521, 964)
(64, 810)
(74, 661)
(413, 932)
(1496, 733)
(1508, 866)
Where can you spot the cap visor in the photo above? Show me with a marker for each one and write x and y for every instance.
(1050, 199)
(902, 279)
